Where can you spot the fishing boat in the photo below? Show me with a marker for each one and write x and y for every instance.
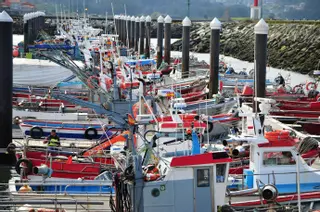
(75, 190)
(18, 115)
(72, 130)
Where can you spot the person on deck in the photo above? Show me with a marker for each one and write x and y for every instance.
(53, 140)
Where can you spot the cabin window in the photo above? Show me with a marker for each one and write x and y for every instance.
(221, 172)
(278, 158)
(203, 178)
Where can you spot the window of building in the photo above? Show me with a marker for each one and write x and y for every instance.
(278, 158)
(221, 172)
(203, 178)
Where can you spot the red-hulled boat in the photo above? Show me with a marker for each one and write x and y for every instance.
(299, 105)
(301, 114)
(310, 127)
(87, 164)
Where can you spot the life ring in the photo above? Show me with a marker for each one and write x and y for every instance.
(27, 168)
(36, 132)
(313, 86)
(295, 88)
(16, 120)
(90, 133)
(89, 81)
(210, 125)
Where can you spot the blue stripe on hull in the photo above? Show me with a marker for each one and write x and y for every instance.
(66, 135)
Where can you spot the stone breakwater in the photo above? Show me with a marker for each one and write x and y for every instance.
(291, 46)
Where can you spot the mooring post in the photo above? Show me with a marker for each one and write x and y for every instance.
(42, 21)
(116, 23)
(136, 38)
(215, 26)
(125, 30)
(261, 30)
(160, 21)
(25, 32)
(120, 27)
(148, 36)
(186, 25)
(142, 33)
(123, 25)
(6, 69)
(30, 26)
(167, 39)
(128, 31)
(132, 22)
(128, 28)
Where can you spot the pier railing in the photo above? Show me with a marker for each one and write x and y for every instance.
(59, 198)
(272, 177)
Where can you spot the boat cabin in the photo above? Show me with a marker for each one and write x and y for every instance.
(188, 183)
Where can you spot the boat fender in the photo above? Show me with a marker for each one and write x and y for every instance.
(28, 167)
(151, 177)
(89, 81)
(297, 89)
(90, 133)
(210, 127)
(311, 86)
(25, 189)
(269, 192)
(36, 132)
(16, 120)
(11, 148)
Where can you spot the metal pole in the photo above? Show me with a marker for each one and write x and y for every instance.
(142, 33)
(160, 40)
(129, 30)
(215, 26)
(148, 36)
(6, 69)
(298, 181)
(136, 38)
(167, 39)
(132, 22)
(186, 24)
(261, 30)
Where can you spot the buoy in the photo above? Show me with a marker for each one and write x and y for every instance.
(25, 189)
(15, 53)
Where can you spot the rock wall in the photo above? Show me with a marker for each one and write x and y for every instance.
(293, 46)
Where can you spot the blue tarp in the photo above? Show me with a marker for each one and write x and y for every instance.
(141, 62)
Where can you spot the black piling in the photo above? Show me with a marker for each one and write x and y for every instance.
(25, 32)
(167, 38)
(121, 28)
(186, 25)
(132, 23)
(136, 34)
(6, 69)
(261, 30)
(128, 31)
(125, 30)
(215, 26)
(160, 40)
(142, 34)
(30, 29)
(148, 36)
(116, 23)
